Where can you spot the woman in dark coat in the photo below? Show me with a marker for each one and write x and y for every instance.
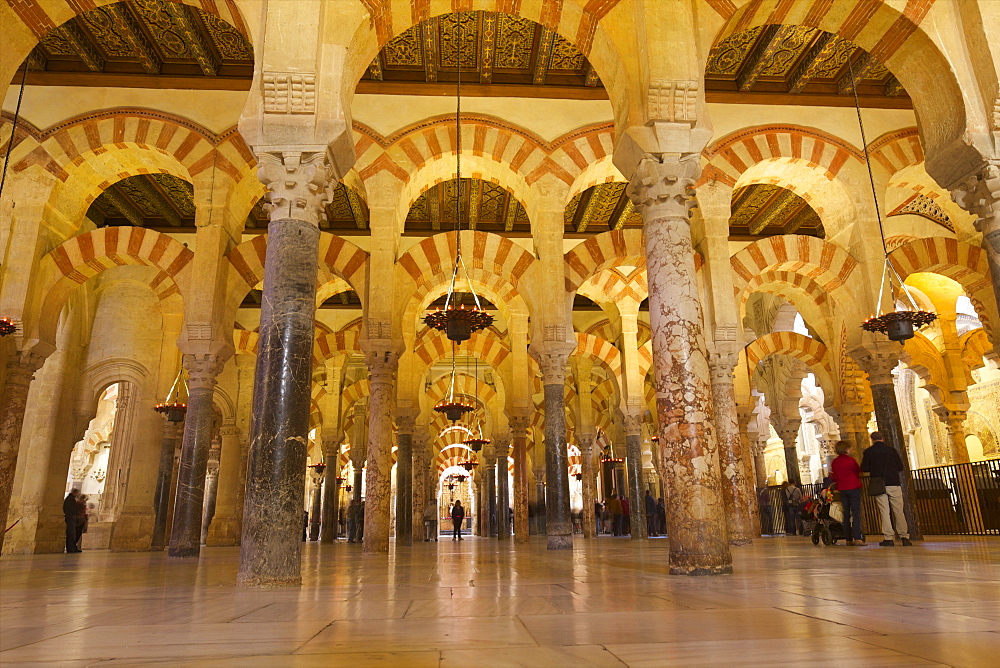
(457, 517)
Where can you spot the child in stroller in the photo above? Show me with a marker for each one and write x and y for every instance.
(827, 517)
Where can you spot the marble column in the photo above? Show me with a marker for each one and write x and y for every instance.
(586, 443)
(751, 475)
(271, 545)
(382, 365)
(954, 424)
(558, 522)
(316, 505)
(519, 440)
(662, 189)
(736, 488)
(501, 448)
(980, 196)
(211, 489)
(789, 435)
(189, 499)
(224, 529)
(633, 460)
(421, 493)
(878, 360)
(21, 368)
(539, 500)
(757, 447)
(161, 498)
(404, 479)
(245, 369)
(490, 500)
(331, 491)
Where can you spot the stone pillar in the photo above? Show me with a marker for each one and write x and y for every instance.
(316, 507)
(878, 360)
(757, 447)
(21, 368)
(633, 459)
(980, 196)
(558, 522)
(789, 434)
(586, 443)
(161, 500)
(404, 479)
(421, 493)
(359, 450)
(490, 500)
(751, 474)
(224, 529)
(211, 489)
(331, 491)
(540, 499)
(189, 500)
(245, 369)
(662, 189)
(954, 424)
(736, 489)
(382, 365)
(501, 448)
(279, 427)
(519, 439)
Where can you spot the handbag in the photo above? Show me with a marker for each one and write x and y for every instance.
(876, 486)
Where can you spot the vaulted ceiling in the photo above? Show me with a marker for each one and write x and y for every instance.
(142, 37)
(496, 49)
(783, 60)
(484, 206)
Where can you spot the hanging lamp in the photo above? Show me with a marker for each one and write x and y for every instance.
(319, 468)
(175, 405)
(469, 464)
(477, 443)
(451, 406)
(455, 320)
(898, 324)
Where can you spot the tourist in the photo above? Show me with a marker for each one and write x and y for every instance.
(431, 520)
(457, 517)
(71, 509)
(82, 521)
(846, 475)
(352, 521)
(615, 508)
(598, 512)
(607, 520)
(883, 465)
(793, 508)
(626, 517)
(766, 511)
(661, 516)
(361, 521)
(650, 507)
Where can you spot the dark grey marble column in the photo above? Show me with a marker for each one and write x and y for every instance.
(271, 547)
(211, 489)
(633, 458)
(316, 512)
(539, 501)
(331, 491)
(501, 449)
(878, 361)
(404, 479)
(789, 435)
(21, 370)
(586, 443)
(189, 500)
(490, 506)
(558, 522)
(161, 497)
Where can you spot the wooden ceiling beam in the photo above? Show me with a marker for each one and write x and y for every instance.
(893, 88)
(475, 196)
(183, 17)
(124, 206)
(588, 203)
(129, 30)
(429, 31)
(860, 69)
(163, 203)
(821, 49)
(435, 202)
(357, 208)
(82, 45)
(542, 57)
(487, 46)
(509, 212)
(623, 211)
(765, 47)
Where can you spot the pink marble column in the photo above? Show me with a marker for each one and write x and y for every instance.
(519, 440)
(501, 448)
(662, 188)
(735, 486)
(21, 368)
(586, 443)
(378, 472)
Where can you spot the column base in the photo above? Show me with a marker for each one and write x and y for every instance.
(183, 552)
(22, 538)
(699, 564)
(559, 542)
(133, 531)
(260, 582)
(740, 541)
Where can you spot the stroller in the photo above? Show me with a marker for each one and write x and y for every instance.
(827, 519)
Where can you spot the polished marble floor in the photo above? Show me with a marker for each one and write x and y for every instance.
(477, 603)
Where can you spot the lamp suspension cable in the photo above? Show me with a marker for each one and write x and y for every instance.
(13, 128)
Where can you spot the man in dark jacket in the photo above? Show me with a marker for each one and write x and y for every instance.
(71, 509)
(650, 505)
(882, 461)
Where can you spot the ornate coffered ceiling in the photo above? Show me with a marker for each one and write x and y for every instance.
(763, 210)
(166, 203)
(496, 49)
(144, 37)
(484, 206)
(922, 205)
(601, 208)
(781, 59)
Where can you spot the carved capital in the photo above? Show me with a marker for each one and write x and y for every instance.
(331, 449)
(632, 424)
(552, 358)
(519, 425)
(298, 184)
(405, 423)
(721, 366)
(788, 435)
(953, 419)
(382, 365)
(203, 370)
(980, 196)
(877, 360)
(21, 367)
(501, 447)
(586, 444)
(663, 186)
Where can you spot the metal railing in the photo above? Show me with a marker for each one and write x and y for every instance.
(956, 499)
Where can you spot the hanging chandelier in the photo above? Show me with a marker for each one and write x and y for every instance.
(469, 464)
(898, 324)
(475, 443)
(455, 320)
(173, 406)
(7, 327)
(452, 406)
(319, 468)
(340, 480)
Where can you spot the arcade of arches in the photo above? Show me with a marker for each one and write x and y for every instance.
(665, 207)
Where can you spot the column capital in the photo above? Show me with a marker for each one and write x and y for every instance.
(298, 183)
(757, 447)
(788, 434)
(877, 359)
(203, 369)
(406, 421)
(519, 425)
(721, 365)
(980, 196)
(382, 361)
(632, 424)
(229, 430)
(552, 357)
(586, 444)
(331, 448)
(22, 365)
(501, 446)
(951, 417)
(664, 185)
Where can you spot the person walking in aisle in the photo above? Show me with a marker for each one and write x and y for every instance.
(846, 474)
(431, 521)
(883, 465)
(71, 510)
(457, 517)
